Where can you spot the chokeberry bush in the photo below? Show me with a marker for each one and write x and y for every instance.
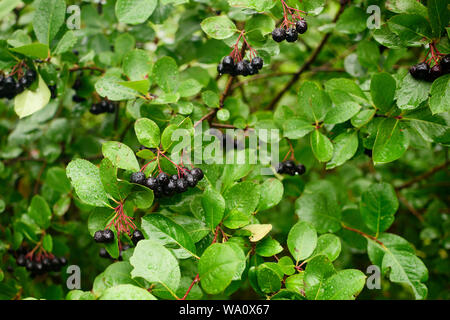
(106, 108)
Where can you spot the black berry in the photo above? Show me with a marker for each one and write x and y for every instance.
(108, 236)
(163, 179)
(182, 185)
(151, 183)
(99, 236)
(279, 34)
(137, 236)
(301, 26)
(291, 35)
(137, 177)
(21, 261)
(197, 173)
(301, 169)
(257, 63)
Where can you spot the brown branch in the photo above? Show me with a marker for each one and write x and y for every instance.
(409, 207)
(306, 65)
(423, 176)
(365, 235)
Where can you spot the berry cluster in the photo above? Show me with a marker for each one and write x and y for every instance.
(10, 87)
(290, 34)
(423, 71)
(163, 185)
(102, 107)
(104, 236)
(289, 167)
(241, 68)
(293, 24)
(40, 263)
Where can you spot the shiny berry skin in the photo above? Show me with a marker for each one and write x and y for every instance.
(151, 183)
(63, 260)
(197, 173)
(251, 69)
(111, 107)
(290, 167)
(220, 69)
(108, 235)
(21, 261)
(240, 68)
(174, 177)
(420, 71)
(95, 108)
(279, 34)
(281, 168)
(99, 236)
(191, 181)
(162, 179)
(170, 188)
(19, 88)
(445, 64)
(9, 85)
(300, 169)
(182, 185)
(56, 266)
(257, 63)
(38, 268)
(137, 236)
(228, 63)
(47, 264)
(435, 72)
(137, 177)
(291, 35)
(301, 26)
(29, 264)
(247, 65)
(104, 254)
(31, 76)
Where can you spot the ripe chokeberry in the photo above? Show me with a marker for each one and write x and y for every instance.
(137, 177)
(435, 72)
(137, 236)
(420, 71)
(291, 35)
(221, 69)
(21, 261)
(240, 68)
(191, 181)
(55, 264)
(30, 75)
(99, 236)
(9, 87)
(104, 254)
(301, 26)
(197, 173)
(182, 185)
(151, 183)
(301, 169)
(258, 63)
(445, 64)
(279, 34)
(170, 187)
(108, 236)
(162, 178)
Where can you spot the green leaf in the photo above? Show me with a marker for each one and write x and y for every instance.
(120, 155)
(165, 231)
(396, 258)
(66, 43)
(314, 103)
(29, 102)
(296, 128)
(110, 87)
(85, 178)
(156, 264)
(40, 212)
(319, 207)
(268, 247)
(302, 240)
(33, 50)
(382, 90)
(135, 11)
(342, 112)
(328, 245)
(258, 5)
(368, 54)
(217, 267)
(317, 271)
(406, 6)
(440, 95)
(439, 16)
(345, 147)
(147, 132)
(48, 19)
(166, 74)
(410, 27)
(219, 27)
(271, 192)
(321, 146)
(6, 6)
(108, 175)
(126, 292)
(353, 20)
(242, 196)
(269, 277)
(411, 93)
(344, 285)
(137, 65)
(214, 207)
(391, 142)
(56, 178)
(378, 206)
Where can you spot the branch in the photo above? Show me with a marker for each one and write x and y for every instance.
(306, 65)
(423, 176)
(365, 235)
